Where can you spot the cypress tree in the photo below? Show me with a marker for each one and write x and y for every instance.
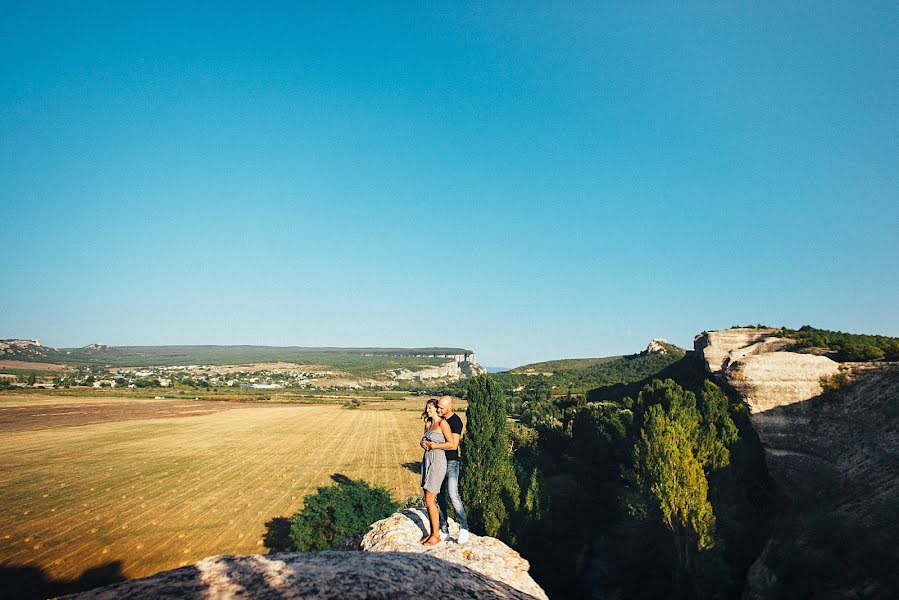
(488, 485)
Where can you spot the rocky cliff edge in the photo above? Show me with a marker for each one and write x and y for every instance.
(389, 563)
(833, 449)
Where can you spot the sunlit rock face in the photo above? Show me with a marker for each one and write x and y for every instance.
(486, 555)
(835, 452)
(390, 564)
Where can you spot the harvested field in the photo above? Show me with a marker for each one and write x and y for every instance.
(50, 416)
(152, 485)
(32, 366)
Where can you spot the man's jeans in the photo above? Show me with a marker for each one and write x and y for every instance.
(451, 488)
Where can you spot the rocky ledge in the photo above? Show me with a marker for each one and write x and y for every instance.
(485, 555)
(390, 564)
(834, 454)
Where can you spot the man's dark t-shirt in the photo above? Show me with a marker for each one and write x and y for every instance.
(455, 424)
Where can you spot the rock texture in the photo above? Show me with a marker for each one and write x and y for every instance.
(658, 346)
(835, 453)
(319, 575)
(390, 564)
(769, 379)
(486, 555)
(716, 347)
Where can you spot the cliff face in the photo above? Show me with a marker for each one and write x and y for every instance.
(834, 455)
(389, 563)
(457, 367)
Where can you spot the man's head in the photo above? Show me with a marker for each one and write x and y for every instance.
(445, 406)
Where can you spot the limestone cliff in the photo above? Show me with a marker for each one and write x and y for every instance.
(835, 455)
(390, 564)
(456, 367)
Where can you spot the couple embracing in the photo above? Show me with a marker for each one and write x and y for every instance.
(440, 469)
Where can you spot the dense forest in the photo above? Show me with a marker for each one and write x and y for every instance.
(657, 490)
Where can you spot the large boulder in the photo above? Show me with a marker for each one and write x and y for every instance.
(389, 563)
(486, 555)
(319, 575)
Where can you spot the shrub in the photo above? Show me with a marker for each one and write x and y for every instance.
(337, 512)
(835, 381)
(352, 403)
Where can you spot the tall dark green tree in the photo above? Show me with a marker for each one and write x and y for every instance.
(679, 442)
(488, 485)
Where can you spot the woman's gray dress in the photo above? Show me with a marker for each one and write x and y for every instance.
(433, 463)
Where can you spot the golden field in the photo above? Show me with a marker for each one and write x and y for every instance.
(145, 485)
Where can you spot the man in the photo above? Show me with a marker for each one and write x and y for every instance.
(451, 481)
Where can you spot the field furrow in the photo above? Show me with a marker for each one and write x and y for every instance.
(157, 493)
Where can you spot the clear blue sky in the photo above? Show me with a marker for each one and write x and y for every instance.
(533, 182)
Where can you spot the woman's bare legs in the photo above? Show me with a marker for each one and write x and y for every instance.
(426, 535)
(433, 517)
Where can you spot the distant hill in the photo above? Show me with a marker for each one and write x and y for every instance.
(357, 361)
(583, 374)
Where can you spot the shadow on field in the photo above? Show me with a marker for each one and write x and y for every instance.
(277, 535)
(33, 582)
(415, 467)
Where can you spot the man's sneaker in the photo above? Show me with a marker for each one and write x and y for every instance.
(444, 535)
(463, 536)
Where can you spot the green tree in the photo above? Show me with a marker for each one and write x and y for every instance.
(679, 443)
(336, 512)
(668, 482)
(31, 378)
(488, 485)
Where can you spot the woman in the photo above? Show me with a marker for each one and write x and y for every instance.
(433, 467)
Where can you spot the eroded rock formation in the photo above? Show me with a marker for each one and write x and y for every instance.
(390, 564)
(457, 367)
(834, 453)
(486, 555)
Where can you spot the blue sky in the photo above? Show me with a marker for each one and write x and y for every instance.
(533, 182)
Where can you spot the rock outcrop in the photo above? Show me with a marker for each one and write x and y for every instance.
(389, 563)
(834, 453)
(314, 575)
(21, 349)
(457, 367)
(486, 555)
(755, 364)
(660, 346)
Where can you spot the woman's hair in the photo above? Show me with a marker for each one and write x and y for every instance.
(424, 414)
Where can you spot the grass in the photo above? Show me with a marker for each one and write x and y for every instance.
(158, 493)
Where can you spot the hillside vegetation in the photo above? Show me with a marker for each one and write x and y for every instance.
(841, 346)
(577, 376)
(656, 487)
(847, 346)
(354, 361)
